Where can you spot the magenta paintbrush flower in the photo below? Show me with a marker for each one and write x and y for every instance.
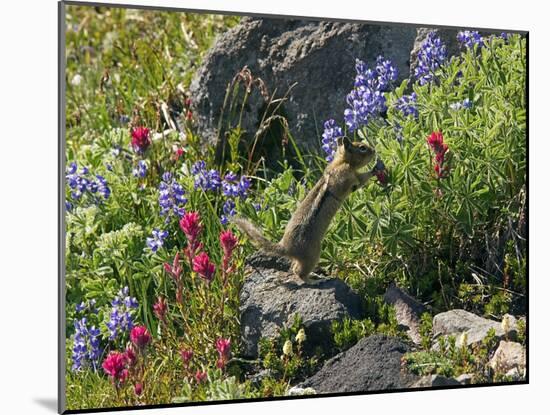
(186, 356)
(229, 242)
(435, 142)
(140, 337)
(223, 346)
(175, 272)
(200, 376)
(140, 139)
(160, 308)
(175, 269)
(190, 225)
(114, 365)
(203, 266)
(131, 357)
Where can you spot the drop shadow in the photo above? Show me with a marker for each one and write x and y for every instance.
(48, 403)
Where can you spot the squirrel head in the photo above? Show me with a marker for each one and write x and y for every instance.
(355, 154)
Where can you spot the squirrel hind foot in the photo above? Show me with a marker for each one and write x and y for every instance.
(315, 279)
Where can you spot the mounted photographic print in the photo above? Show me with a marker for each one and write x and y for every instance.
(270, 207)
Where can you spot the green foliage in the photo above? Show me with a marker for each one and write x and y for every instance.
(433, 234)
(452, 358)
(216, 388)
(384, 321)
(426, 330)
(285, 358)
(349, 332)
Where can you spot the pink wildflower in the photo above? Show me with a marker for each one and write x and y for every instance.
(140, 337)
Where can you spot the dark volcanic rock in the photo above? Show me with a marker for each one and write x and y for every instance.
(318, 56)
(270, 299)
(407, 311)
(373, 364)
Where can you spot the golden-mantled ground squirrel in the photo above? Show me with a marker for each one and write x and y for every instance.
(304, 232)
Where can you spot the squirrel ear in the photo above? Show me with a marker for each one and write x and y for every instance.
(343, 141)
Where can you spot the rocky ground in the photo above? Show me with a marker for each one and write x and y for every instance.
(270, 301)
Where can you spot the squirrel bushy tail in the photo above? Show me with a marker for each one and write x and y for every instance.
(257, 238)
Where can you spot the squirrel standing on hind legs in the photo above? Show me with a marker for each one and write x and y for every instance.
(304, 232)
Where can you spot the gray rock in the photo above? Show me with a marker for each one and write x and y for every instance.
(429, 381)
(515, 374)
(257, 378)
(465, 378)
(407, 310)
(373, 364)
(271, 298)
(456, 322)
(508, 356)
(317, 55)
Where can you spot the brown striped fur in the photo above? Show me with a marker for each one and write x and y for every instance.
(306, 229)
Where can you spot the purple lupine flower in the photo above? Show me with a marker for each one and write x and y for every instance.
(171, 197)
(257, 207)
(121, 317)
(470, 38)
(86, 350)
(116, 150)
(141, 169)
(71, 169)
(243, 186)
(103, 187)
(330, 136)
(198, 167)
(367, 100)
(432, 55)
(407, 105)
(156, 240)
(230, 185)
(81, 184)
(228, 209)
(387, 73)
(466, 104)
(205, 179)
